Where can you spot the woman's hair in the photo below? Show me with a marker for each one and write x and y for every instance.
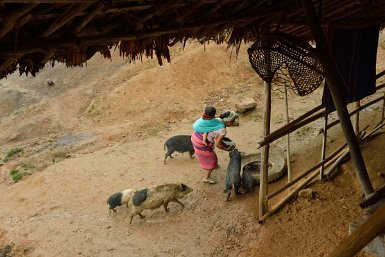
(210, 111)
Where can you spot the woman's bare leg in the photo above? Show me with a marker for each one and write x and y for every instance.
(209, 173)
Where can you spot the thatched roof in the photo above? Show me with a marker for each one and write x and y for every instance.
(34, 32)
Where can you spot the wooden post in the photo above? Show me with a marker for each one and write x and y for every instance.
(324, 142)
(383, 108)
(263, 206)
(335, 83)
(287, 139)
(357, 118)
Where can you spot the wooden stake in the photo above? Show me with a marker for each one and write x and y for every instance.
(263, 205)
(287, 139)
(324, 142)
(383, 108)
(357, 118)
(335, 83)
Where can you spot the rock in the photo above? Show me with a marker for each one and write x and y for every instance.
(49, 82)
(306, 193)
(245, 105)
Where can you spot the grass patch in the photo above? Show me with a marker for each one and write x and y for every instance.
(28, 166)
(155, 131)
(93, 110)
(16, 175)
(13, 152)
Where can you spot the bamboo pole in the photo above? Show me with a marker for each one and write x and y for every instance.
(383, 108)
(10, 20)
(366, 232)
(362, 138)
(380, 74)
(324, 142)
(376, 128)
(292, 126)
(63, 19)
(357, 117)
(336, 163)
(335, 83)
(263, 205)
(331, 124)
(327, 159)
(87, 18)
(373, 198)
(287, 139)
(287, 198)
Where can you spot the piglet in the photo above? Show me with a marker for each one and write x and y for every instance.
(247, 181)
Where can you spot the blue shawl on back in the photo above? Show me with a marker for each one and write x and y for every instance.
(203, 126)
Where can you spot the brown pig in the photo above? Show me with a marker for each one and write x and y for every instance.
(156, 196)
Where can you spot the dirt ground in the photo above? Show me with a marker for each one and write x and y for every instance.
(101, 129)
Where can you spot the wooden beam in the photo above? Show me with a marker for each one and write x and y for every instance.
(87, 18)
(8, 62)
(335, 82)
(303, 175)
(11, 19)
(263, 204)
(62, 1)
(373, 198)
(63, 19)
(363, 235)
(110, 10)
(41, 45)
(292, 126)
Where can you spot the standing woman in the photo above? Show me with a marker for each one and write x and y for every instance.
(216, 131)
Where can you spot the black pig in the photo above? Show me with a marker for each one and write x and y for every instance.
(180, 143)
(247, 180)
(233, 175)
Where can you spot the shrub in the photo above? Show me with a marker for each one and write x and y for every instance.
(16, 174)
(13, 152)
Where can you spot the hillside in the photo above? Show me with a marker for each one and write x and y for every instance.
(101, 129)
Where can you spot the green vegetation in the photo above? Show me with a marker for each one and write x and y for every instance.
(16, 175)
(13, 152)
(19, 173)
(155, 131)
(93, 110)
(28, 166)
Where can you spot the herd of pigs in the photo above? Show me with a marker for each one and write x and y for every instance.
(153, 197)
